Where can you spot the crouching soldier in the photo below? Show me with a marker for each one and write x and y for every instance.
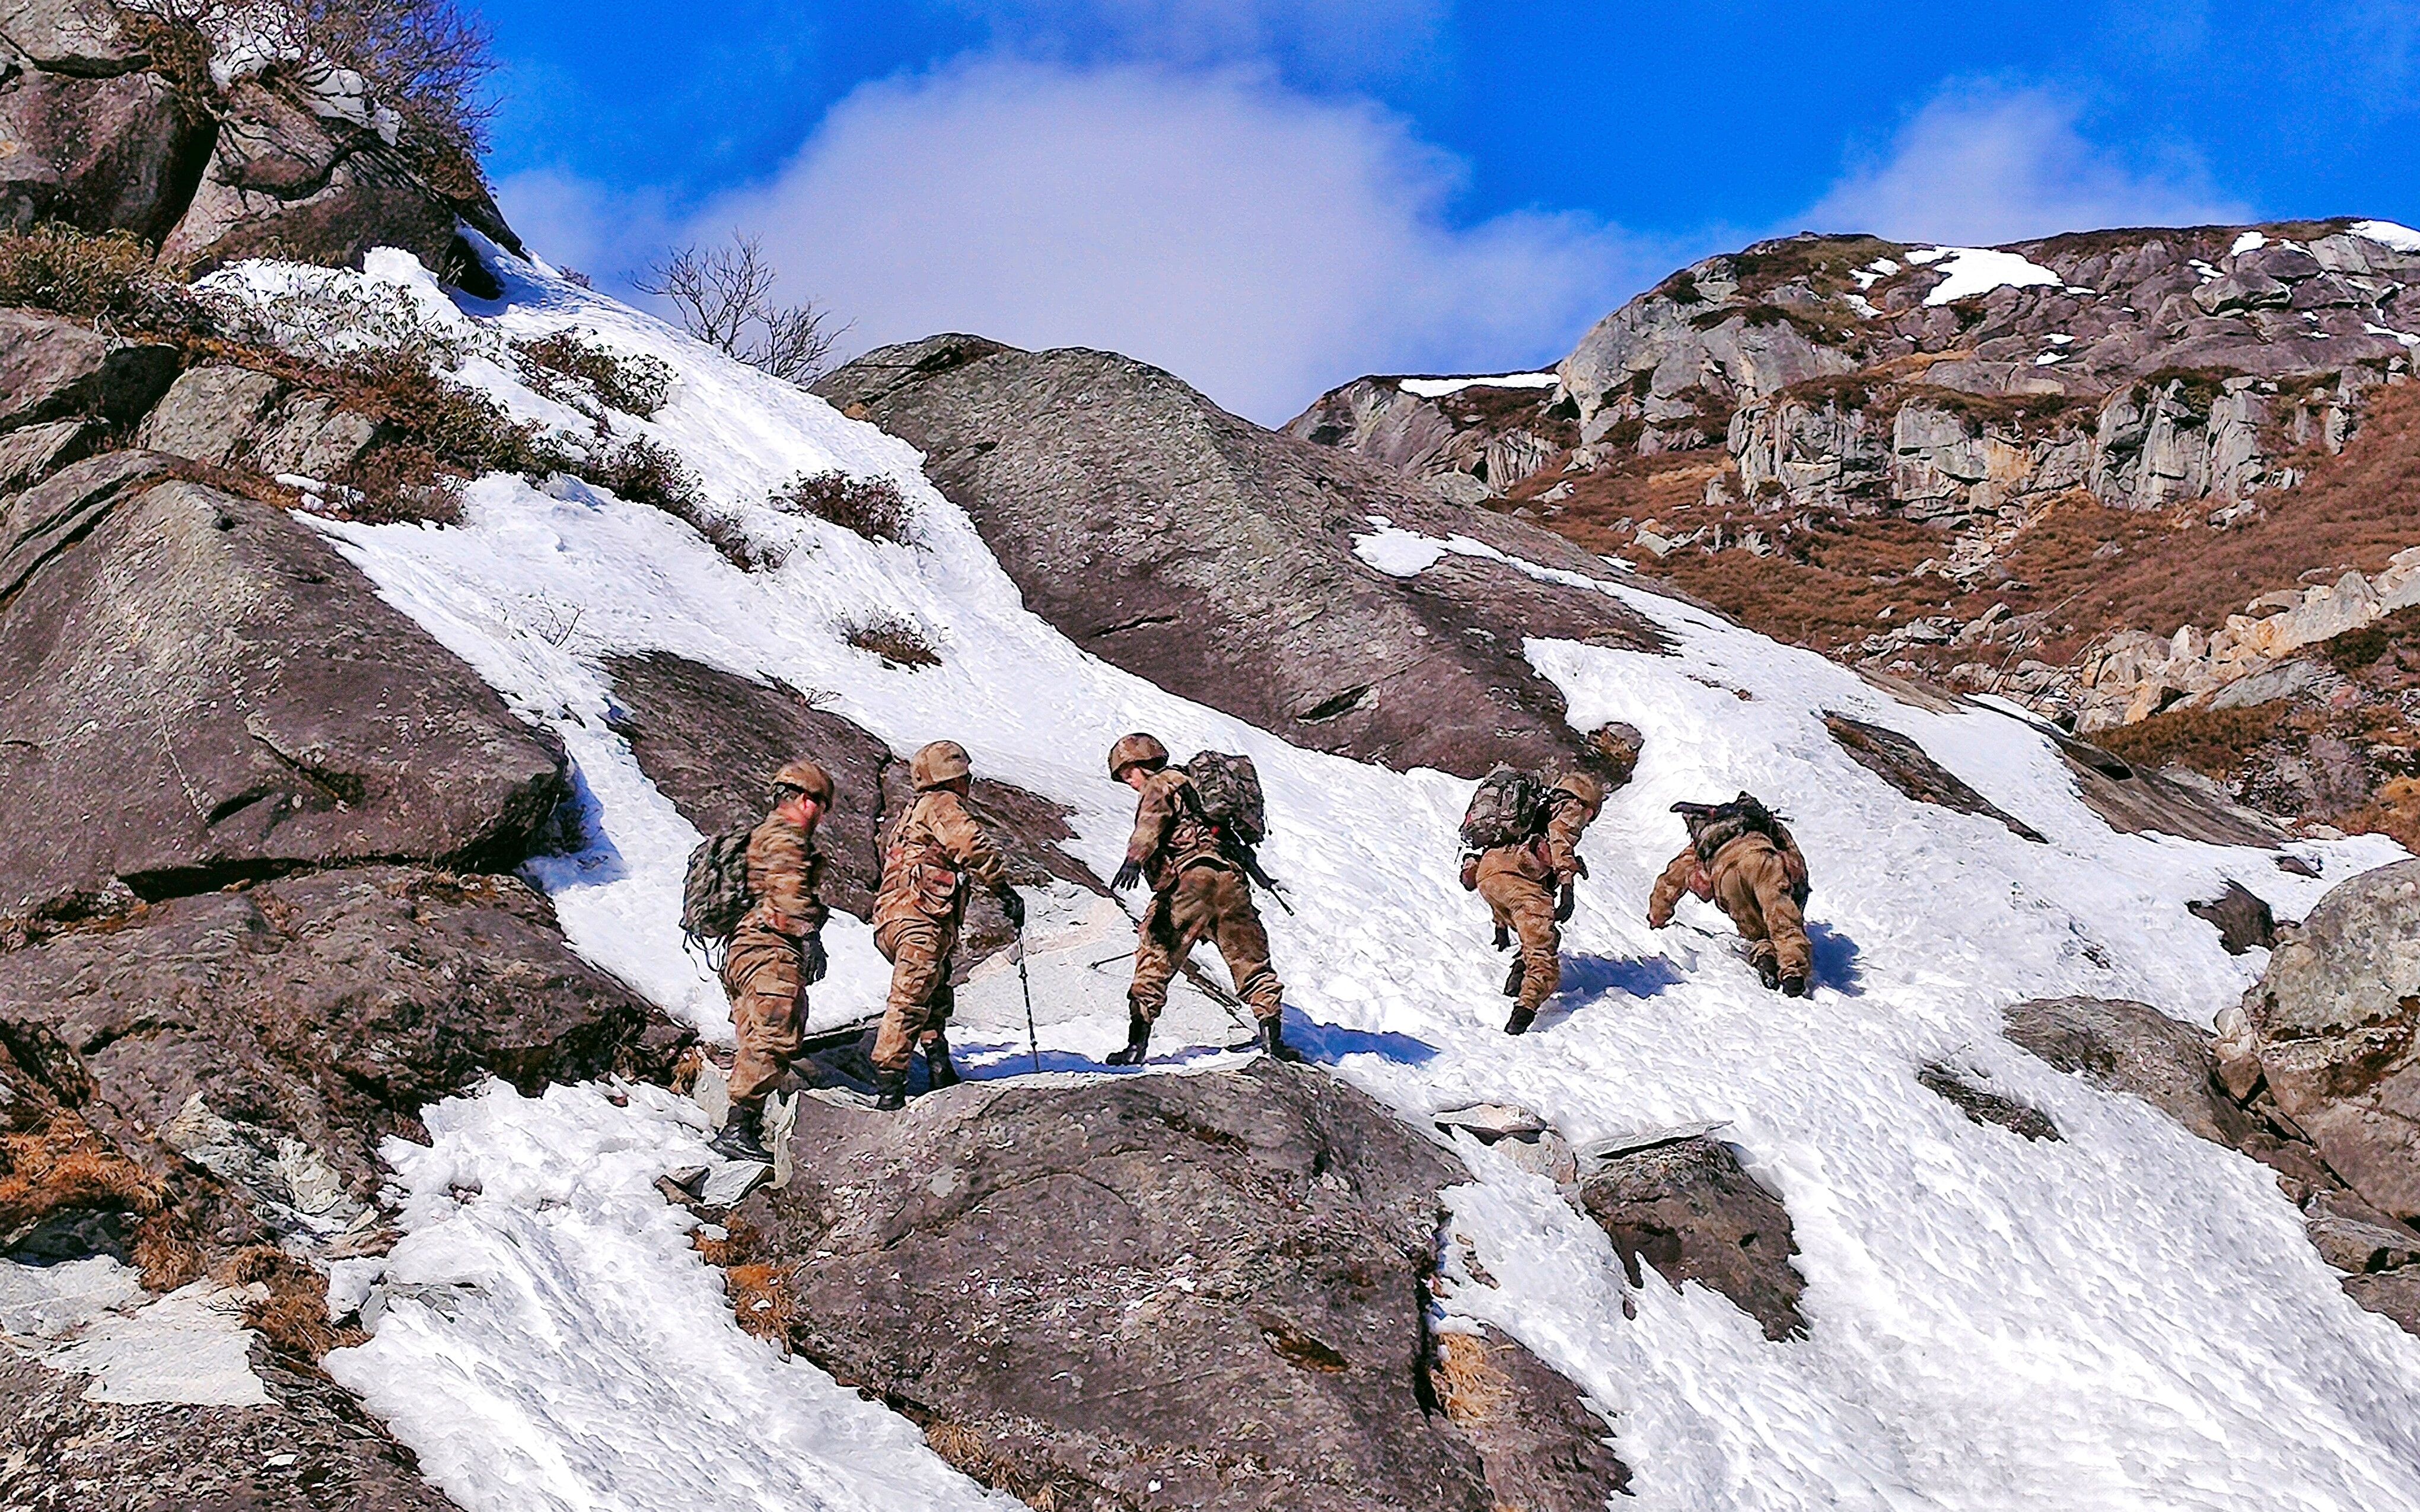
(1521, 841)
(935, 853)
(1741, 857)
(776, 952)
(1201, 871)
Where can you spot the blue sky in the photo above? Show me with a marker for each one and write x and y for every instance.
(1270, 196)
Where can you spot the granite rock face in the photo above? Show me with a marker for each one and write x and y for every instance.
(1160, 1291)
(1219, 560)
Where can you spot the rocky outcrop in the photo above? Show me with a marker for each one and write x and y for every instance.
(198, 690)
(1156, 1292)
(1982, 1106)
(2215, 1091)
(1903, 765)
(1470, 443)
(1850, 374)
(58, 370)
(2332, 1027)
(1686, 1206)
(1216, 559)
(236, 417)
(114, 120)
(710, 741)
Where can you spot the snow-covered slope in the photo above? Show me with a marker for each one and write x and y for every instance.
(2129, 1318)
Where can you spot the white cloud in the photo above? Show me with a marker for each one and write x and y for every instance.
(1981, 165)
(1262, 244)
(1340, 40)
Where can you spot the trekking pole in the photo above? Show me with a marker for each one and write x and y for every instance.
(1032, 1040)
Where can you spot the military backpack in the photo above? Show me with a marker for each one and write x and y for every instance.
(1508, 810)
(714, 890)
(1227, 794)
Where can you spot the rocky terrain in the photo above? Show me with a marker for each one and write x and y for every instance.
(2108, 476)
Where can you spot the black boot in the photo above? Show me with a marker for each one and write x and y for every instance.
(1795, 986)
(1521, 1020)
(940, 1070)
(1768, 971)
(1513, 978)
(1273, 1042)
(889, 1090)
(1138, 1043)
(737, 1139)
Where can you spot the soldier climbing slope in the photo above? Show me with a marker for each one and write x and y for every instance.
(776, 950)
(1192, 838)
(1741, 858)
(1521, 852)
(934, 853)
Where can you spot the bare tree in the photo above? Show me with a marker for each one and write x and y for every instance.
(726, 299)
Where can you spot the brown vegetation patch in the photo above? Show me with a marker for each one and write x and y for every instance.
(871, 507)
(62, 1167)
(563, 364)
(293, 1318)
(1822, 263)
(1467, 1385)
(106, 276)
(897, 641)
(762, 1300)
(2213, 742)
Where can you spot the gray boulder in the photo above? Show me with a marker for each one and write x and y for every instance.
(2334, 1022)
(1154, 1293)
(2132, 1047)
(87, 39)
(329, 1006)
(1687, 1208)
(1216, 559)
(1906, 766)
(198, 690)
(53, 369)
(209, 413)
(115, 153)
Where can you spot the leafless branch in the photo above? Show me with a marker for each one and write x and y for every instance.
(725, 297)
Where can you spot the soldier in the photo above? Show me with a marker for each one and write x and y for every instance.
(776, 952)
(1741, 857)
(1528, 885)
(934, 851)
(1200, 889)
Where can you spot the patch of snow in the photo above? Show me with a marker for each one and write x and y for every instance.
(2404, 336)
(554, 1342)
(2388, 234)
(1997, 1323)
(2056, 339)
(1875, 272)
(1438, 388)
(1922, 255)
(2248, 242)
(1972, 271)
(93, 1318)
(2046, 359)
(1398, 553)
(1858, 303)
(2206, 271)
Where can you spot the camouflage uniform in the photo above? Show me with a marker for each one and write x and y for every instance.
(1520, 882)
(1759, 880)
(933, 851)
(1198, 892)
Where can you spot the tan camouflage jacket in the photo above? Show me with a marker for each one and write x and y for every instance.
(1551, 856)
(1169, 838)
(933, 851)
(1688, 872)
(785, 879)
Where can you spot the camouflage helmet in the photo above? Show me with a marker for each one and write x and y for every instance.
(1581, 786)
(1135, 750)
(941, 762)
(806, 777)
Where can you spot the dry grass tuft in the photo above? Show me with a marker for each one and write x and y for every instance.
(871, 507)
(897, 641)
(2213, 742)
(1467, 1385)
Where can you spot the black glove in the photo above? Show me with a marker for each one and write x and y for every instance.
(1566, 903)
(1013, 906)
(1503, 938)
(815, 963)
(1128, 876)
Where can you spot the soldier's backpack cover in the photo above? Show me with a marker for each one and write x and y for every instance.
(1506, 811)
(714, 890)
(1227, 789)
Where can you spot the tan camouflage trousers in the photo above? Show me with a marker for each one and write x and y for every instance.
(1526, 906)
(1205, 903)
(919, 948)
(1752, 885)
(769, 1008)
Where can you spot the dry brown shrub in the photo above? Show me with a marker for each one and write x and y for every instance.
(63, 1165)
(2392, 811)
(2213, 742)
(635, 385)
(897, 641)
(106, 276)
(871, 507)
(761, 1300)
(293, 1318)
